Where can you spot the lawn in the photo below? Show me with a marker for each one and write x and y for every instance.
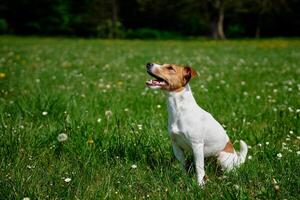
(118, 147)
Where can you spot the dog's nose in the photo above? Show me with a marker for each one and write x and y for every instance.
(149, 65)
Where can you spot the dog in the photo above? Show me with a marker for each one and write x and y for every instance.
(191, 128)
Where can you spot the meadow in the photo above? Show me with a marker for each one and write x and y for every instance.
(117, 146)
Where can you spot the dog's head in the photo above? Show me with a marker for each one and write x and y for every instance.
(169, 77)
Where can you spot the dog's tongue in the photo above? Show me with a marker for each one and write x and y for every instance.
(155, 82)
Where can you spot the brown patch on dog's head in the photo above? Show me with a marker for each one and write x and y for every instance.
(170, 77)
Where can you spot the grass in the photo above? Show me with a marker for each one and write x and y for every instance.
(94, 91)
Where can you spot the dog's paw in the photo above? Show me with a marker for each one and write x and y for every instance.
(201, 183)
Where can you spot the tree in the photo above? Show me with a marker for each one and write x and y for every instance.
(264, 8)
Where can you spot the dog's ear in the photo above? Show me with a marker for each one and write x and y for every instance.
(189, 73)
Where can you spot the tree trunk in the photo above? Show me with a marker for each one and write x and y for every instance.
(258, 25)
(220, 23)
(217, 19)
(115, 17)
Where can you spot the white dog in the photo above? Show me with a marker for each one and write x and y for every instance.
(190, 127)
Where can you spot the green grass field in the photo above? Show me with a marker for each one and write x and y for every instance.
(118, 146)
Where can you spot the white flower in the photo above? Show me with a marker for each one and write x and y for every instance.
(257, 97)
(126, 109)
(259, 144)
(99, 120)
(279, 155)
(140, 126)
(62, 137)
(291, 132)
(158, 106)
(67, 180)
(236, 187)
(298, 152)
(108, 113)
(133, 166)
(249, 157)
(267, 143)
(44, 113)
(26, 198)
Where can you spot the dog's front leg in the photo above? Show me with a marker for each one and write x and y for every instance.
(179, 154)
(199, 161)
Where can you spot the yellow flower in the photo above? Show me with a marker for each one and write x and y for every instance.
(90, 140)
(2, 75)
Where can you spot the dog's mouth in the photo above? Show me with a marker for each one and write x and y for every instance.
(158, 81)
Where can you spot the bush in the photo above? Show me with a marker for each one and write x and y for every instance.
(235, 30)
(3, 26)
(148, 33)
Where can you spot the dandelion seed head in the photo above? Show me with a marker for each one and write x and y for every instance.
(62, 137)
(108, 113)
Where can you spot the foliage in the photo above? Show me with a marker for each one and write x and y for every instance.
(147, 33)
(117, 145)
(112, 19)
(3, 26)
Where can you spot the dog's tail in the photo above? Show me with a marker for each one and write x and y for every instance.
(229, 161)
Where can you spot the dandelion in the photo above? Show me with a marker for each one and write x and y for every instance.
(90, 140)
(279, 155)
(67, 180)
(62, 137)
(2, 75)
(45, 113)
(133, 166)
(108, 113)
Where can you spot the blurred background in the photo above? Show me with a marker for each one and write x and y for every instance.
(160, 19)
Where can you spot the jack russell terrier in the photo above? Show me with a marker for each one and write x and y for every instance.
(190, 127)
